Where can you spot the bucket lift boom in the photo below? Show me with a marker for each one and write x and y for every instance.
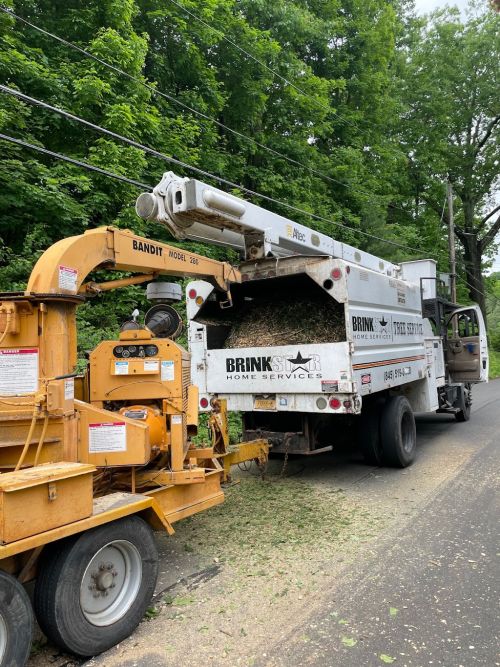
(195, 210)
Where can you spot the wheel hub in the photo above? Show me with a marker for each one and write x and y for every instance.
(103, 579)
(111, 583)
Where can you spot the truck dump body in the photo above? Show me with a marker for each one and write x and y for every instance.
(316, 329)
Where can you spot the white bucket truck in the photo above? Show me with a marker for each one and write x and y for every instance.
(320, 336)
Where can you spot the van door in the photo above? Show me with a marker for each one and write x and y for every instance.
(467, 346)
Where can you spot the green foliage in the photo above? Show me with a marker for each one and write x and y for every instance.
(494, 364)
(374, 142)
(493, 305)
(451, 127)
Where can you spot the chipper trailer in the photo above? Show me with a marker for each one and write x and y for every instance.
(90, 465)
(323, 340)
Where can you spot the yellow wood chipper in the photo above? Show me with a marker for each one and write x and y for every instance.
(91, 464)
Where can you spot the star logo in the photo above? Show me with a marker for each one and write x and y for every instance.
(299, 361)
(383, 322)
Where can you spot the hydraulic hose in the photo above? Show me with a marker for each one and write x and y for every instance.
(7, 325)
(42, 438)
(28, 439)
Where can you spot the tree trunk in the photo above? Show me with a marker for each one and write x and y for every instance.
(473, 273)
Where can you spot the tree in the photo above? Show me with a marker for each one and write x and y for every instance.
(452, 127)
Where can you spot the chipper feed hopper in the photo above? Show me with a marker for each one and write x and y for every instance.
(90, 465)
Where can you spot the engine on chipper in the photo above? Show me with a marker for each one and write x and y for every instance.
(145, 376)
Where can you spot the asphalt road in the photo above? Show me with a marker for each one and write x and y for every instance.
(429, 594)
(421, 590)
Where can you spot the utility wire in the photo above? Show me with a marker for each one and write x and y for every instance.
(192, 110)
(115, 135)
(78, 163)
(185, 165)
(271, 70)
(476, 289)
(138, 184)
(260, 62)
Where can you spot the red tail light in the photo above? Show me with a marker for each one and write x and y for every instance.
(336, 274)
(335, 403)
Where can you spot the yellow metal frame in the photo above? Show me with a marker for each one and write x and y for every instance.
(49, 425)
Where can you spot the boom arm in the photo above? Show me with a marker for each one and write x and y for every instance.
(192, 209)
(65, 265)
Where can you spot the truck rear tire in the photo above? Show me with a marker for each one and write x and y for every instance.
(398, 432)
(369, 441)
(465, 403)
(16, 622)
(93, 589)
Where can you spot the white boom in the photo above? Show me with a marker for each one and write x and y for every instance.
(194, 210)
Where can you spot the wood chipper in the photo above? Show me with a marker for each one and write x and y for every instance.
(90, 465)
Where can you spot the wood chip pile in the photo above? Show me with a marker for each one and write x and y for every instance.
(286, 320)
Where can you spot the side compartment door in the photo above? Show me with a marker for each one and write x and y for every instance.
(467, 346)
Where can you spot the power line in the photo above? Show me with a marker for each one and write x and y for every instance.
(115, 135)
(71, 160)
(203, 172)
(260, 62)
(173, 99)
(271, 70)
(476, 289)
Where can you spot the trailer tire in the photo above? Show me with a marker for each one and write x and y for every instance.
(16, 622)
(464, 403)
(369, 440)
(93, 589)
(398, 432)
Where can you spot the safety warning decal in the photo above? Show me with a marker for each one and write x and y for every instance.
(329, 386)
(151, 365)
(121, 367)
(167, 371)
(68, 278)
(107, 437)
(69, 389)
(18, 371)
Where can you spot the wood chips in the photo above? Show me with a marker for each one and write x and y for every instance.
(286, 320)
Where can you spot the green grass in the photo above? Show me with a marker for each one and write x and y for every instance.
(494, 364)
(270, 521)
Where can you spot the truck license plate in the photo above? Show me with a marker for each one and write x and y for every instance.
(265, 404)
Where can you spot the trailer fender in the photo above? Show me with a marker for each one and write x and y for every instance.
(156, 519)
